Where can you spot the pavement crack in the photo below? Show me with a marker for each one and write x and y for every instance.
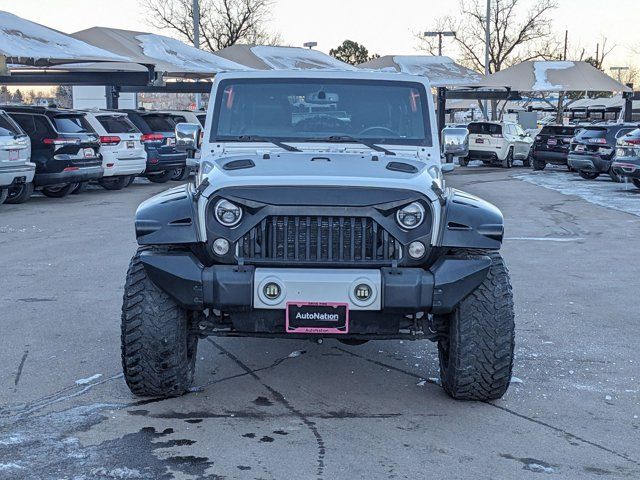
(282, 400)
(509, 411)
(19, 372)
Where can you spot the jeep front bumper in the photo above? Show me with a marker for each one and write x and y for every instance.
(233, 288)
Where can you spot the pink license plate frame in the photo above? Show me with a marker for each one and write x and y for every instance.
(328, 330)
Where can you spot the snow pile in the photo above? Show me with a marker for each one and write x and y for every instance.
(22, 41)
(294, 58)
(540, 70)
(440, 71)
(184, 57)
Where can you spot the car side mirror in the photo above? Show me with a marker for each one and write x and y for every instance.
(455, 142)
(188, 137)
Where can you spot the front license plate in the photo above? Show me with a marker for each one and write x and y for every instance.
(131, 144)
(319, 318)
(479, 140)
(88, 153)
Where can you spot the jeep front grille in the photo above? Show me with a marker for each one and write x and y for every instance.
(306, 239)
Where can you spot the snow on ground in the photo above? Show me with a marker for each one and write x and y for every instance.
(20, 38)
(294, 58)
(619, 196)
(184, 57)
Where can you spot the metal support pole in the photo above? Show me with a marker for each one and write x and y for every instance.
(487, 40)
(196, 40)
(442, 106)
(112, 94)
(628, 104)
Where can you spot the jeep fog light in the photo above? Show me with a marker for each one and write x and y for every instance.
(221, 246)
(362, 292)
(416, 250)
(227, 213)
(271, 290)
(411, 216)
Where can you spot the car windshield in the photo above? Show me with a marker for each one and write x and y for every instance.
(558, 130)
(117, 124)
(71, 124)
(485, 128)
(309, 109)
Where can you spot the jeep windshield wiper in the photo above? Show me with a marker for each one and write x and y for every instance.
(350, 139)
(278, 143)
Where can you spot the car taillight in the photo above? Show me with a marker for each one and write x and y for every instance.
(61, 141)
(109, 140)
(152, 137)
(631, 141)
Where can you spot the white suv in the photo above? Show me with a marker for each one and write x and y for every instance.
(123, 155)
(498, 142)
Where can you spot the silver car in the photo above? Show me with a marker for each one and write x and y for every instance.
(16, 170)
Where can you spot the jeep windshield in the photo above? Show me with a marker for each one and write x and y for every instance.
(307, 110)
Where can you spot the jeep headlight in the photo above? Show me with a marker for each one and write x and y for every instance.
(411, 216)
(227, 213)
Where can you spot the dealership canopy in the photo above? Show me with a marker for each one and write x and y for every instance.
(23, 42)
(441, 71)
(264, 57)
(167, 55)
(554, 76)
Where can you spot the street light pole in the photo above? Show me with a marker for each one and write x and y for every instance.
(619, 69)
(440, 34)
(196, 41)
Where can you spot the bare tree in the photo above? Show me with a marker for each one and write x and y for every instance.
(516, 36)
(222, 22)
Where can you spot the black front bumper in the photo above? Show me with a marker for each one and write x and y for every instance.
(230, 288)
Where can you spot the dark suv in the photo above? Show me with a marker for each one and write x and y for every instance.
(552, 144)
(64, 147)
(627, 161)
(159, 139)
(593, 149)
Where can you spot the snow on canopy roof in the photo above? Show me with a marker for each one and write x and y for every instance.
(24, 42)
(440, 70)
(553, 76)
(168, 55)
(282, 58)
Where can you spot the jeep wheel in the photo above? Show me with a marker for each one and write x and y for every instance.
(180, 174)
(463, 161)
(508, 162)
(114, 183)
(161, 177)
(20, 193)
(58, 191)
(158, 353)
(538, 164)
(588, 175)
(476, 357)
(4, 192)
(636, 182)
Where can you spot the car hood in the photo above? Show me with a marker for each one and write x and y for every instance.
(374, 170)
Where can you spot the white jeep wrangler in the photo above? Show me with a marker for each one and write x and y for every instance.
(319, 211)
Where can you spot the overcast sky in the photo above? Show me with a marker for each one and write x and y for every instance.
(383, 27)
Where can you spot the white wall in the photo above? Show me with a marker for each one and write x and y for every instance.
(94, 97)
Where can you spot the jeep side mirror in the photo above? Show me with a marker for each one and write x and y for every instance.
(455, 142)
(188, 137)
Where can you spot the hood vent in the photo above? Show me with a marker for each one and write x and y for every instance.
(402, 167)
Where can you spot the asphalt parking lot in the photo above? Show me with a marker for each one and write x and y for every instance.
(277, 409)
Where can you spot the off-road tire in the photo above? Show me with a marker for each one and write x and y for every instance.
(114, 183)
(588, 175)
(538, 164)
(636, 182)
(180, 174)
(20, 193)
(463, 161)
(158, 352)
(476, 357)
(4, 192)
(58, 192)
(163, 177)
(508, 161)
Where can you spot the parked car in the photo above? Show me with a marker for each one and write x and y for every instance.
(64, 147)
(593, 149)
(159, 140)
(552, 144)
(16, 169)
(498, 142)
(123, 154)
(326, 228)
(627, 161)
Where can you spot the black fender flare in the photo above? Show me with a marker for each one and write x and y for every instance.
(470, 222)
(169, 218)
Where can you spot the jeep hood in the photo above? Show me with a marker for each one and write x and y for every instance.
(318, 169)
